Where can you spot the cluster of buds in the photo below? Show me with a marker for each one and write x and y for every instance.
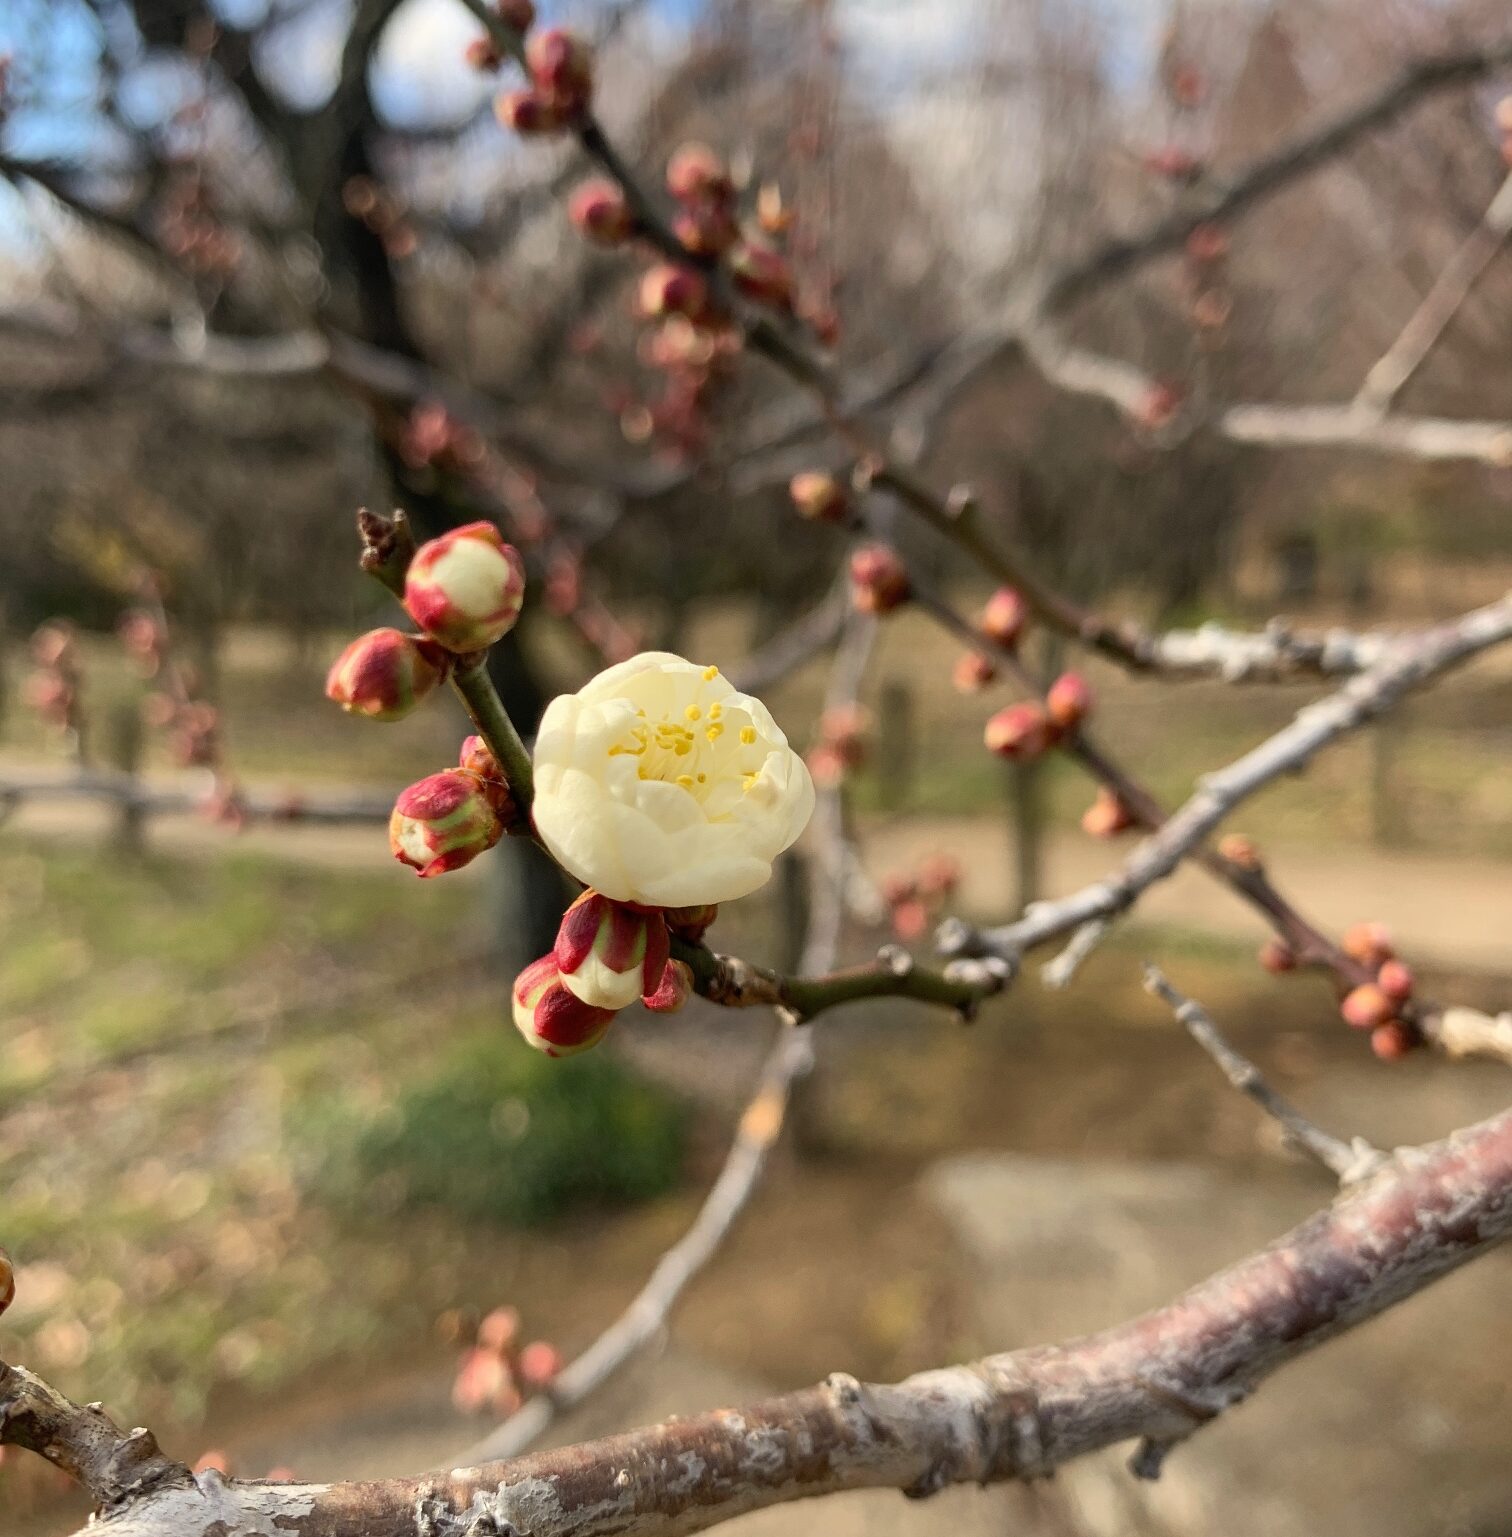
(380, 212)
(444, 821)
(1027, 730)
(496, 1373)
(559, 67)
(1208, 301)
(879, 580)
(433, 439)
(55, 688)
(607, 955)
(1378, 1006)
(192, 232)
(913, 899)
(841, 748)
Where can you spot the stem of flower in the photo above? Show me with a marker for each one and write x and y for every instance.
(471, 681)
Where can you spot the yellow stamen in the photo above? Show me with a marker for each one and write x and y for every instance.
(693, 712)
(713, 733)
(685, 780)
(715, 711)
(710, 674)
(747, 734)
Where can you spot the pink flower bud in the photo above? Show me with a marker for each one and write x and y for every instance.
(1241, 851)
(560, 65)
(818, 496)
(475, 758)
(910, 919)
(1369, 944)
(696, 174)
(499, 1329)
(527, 113)
(552, 1019)
(762, 274)
(673, 991)
(519, 14)
(1173, 161)
(669, 290)
(1158, 406)
(939, 875)
(1396, 981)
(599, 210)
(385, 674)
(1207, 243)
(1004, 617)
(879, 580)
(972, 672)
(690, 923)
(1020, 731)
(1277, 957)
(1107, 816)
(540, 1364)
(1068, 701)
(465, 588)
(1393, 1040)
(482, 53)
(443, 822)
(1367, 1006)
(609, 954)
(483, 1381)
(706, 229)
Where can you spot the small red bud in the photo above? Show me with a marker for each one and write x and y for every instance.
(1392, 1041)
(879, 580)
(499, 1329)
(560, 65)
(972, 672)
(673, 991)
(705, 229)
(1004, 617)
(762, 274)
(1207, 243)
(1068, 701)
(939, 875)
(1158, 406)
(443, 822)
(1277, 956)
(818, 496)
(1239, 850)
(1172, 161)
(669, 290)
(483, 54)
(527, 112)
(385, 674)
(519, 14)
(1107, 816)
(690, 923)
(466, 587)
(696, 174)
(1366, 1006)
(598, 209)
(540, 1364)
(1368, 943)
(1020, 731)
(1396, 980)
(910, 919)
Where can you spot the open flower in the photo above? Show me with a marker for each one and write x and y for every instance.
(658, 783)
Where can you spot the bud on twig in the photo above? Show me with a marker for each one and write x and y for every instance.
(819, 496)
(552, 1019)
(1068, 701)
(1004, 617)
(1277, 956)
(385, 674)
(599, 210)
(972, 672)
(465, 589)
(1366, 1006)
(609, 954)
(673, 991)
(560, 66)
(669, 290)
(1107, 816)
(762, 273)
(695, 173)
(1368, 943)
(1020, 732)
(879, 579)
(443, 822)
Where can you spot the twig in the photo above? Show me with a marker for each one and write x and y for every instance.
(1347, 1161)
(1426, 1212)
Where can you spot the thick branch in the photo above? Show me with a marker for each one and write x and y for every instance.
(1427, 1211)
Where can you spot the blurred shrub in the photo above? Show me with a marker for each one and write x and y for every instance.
(496, 1133)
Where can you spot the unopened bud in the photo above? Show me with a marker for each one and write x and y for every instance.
(609, 954)
(519, 14)
(599, 211)
(552, 1019)
(879, 580)
(476, 758)
(443, 822)
(695, 173)
(1020, 731)
(1367, 1006)
(772, 213)
(1396, 980)
(673, 991)
(560, 65)
(1107, 816)
(540, 1364)
(1068, 701)
(1172, 161)
(1158, 406)
(499, 1329)
(818, 496)
(1239, 850)
(762, 273)
(483, 54)
(1277, 956)
(1368, 943)
(939, 875)
(1207, 243)
(690, 923)
(972, 672)
(1004, 616)
(465, 589)
(705, 229)
(669, 290)
(1392, 1041)
(385, 674)
(527, 112)
(909, 919)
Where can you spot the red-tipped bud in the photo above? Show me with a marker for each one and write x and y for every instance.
(772, 212)
(528, 112)
(385, 674)
(690, 923)
(540, 1364)
(705, 229)
(898, 887)
(443, 822)
(484, 1381)
(1366, 1006)
(669, 290)
(1158, 406)
(1068, 701)
(1004, 617)
(560, 65)
(910, 919)
(1392, 1041)
(972, 672)
(1172, 161)
(762, 274)
(879, 580)
(552, 1019)
(1107, 816)
(673, 991)
(499, 1329)
(1241, 851)
(140, 634)
(609, 954)
(465, 589)
(519, 14)
(1207, 243)
(818, 496)
(599, 211)
(939, 875)
(1020, 731)
(1277, 956)
(482, 53)
(1396, 980)
(1369, 944)
(696, 174)
(475, 758)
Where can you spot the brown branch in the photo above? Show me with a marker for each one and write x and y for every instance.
(1424, 1213)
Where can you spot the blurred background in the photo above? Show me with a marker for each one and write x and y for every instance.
(269, 1148)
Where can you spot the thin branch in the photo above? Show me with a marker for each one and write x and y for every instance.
(1426, 1212)
(1348, 1162)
